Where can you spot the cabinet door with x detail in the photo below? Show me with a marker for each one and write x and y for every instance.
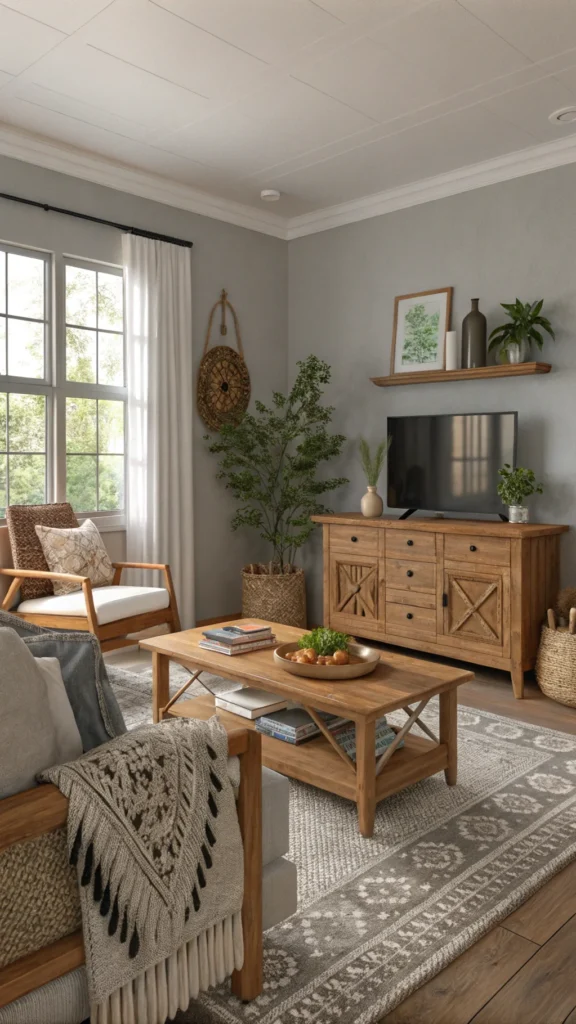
(354, 591)
(476, 608)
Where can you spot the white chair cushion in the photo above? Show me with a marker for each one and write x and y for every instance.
(111, 603)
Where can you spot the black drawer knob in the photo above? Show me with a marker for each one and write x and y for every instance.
(354, 539)
(410, 543)
(473, 547)
(409, 573)
(409, 615)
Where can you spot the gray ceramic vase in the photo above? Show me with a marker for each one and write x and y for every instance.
(474, 338)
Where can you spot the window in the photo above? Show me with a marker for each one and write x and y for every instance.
(64, 383)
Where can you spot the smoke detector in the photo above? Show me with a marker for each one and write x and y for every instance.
(563, 116)
(270, 195)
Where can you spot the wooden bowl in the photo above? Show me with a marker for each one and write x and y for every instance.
(363, 660)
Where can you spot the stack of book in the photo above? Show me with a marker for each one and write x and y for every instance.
(250, 636)
(296, 726)
(249, 702)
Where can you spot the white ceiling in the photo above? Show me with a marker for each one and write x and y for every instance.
(328, 101)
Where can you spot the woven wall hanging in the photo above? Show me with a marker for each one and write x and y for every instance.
(223, 380)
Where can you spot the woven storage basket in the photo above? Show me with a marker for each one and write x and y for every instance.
(277, 597)
(556, 665)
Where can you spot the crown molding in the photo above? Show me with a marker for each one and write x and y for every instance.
(55, 156)
(542, 157)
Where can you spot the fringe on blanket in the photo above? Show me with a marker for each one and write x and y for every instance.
(156, 995)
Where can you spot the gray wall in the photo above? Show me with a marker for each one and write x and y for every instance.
(512, 239)
(251, 266)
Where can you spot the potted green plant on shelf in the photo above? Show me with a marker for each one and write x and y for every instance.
(515, 486)
(269, 460)
(371, 504)
(514, 340)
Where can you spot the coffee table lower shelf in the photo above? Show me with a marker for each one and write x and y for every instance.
(318, 764)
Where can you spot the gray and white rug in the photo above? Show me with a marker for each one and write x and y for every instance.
(378, 917)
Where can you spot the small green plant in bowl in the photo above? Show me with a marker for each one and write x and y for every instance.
(325, 641)
(513, 340)
(515, 486)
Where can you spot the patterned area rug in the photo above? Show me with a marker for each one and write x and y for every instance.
(379, 917)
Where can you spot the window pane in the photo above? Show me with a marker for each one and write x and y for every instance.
(80, 355)
(110, 301)
(110, 482)
(25, 348)
(111, 427)
(80, 296)
(26, 427)
(2, 282)
(2, 344)
(3, 496)
(3, 436)
(27, 479)
(81, 425)
(25, 286)
(110, 359)
(81, 482)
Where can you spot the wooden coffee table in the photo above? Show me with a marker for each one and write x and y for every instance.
(398, 682)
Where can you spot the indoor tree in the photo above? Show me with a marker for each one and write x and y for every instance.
(270, 461)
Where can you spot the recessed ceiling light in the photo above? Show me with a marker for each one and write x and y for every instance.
(270, 195)
(565, 115)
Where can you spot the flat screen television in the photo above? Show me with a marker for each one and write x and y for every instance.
(449, 463)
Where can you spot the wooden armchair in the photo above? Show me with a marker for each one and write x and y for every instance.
(42, 810)
(110, 612)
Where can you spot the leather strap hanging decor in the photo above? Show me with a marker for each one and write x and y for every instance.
(223, 389)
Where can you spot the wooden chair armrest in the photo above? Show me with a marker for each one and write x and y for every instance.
(30, 814)
(140, 565)
(44, 574)
(169, 583)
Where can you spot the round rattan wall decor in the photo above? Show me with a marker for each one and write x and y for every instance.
(223, 390)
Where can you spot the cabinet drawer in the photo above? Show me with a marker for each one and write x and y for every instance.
(477, 550)
(360, 540)
(406, 544)
(410, 619)
(409, 575)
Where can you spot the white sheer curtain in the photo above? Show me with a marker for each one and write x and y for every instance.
(160, 400)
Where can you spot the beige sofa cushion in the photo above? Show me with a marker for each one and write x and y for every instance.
(28, 741)
(79, 551)
(68, 739)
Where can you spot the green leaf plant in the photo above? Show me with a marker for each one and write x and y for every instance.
(526, 325)
(517, 484)
(373, 464)
(270, 460)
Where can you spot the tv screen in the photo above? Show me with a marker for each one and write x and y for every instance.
(449, 463)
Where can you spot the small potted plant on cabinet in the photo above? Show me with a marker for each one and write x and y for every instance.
(513, 340)
(515, 486)
(269, 460)
(371, 503)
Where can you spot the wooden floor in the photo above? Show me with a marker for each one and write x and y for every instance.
(523, 971)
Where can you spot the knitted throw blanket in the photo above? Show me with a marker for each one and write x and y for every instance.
(153, 831)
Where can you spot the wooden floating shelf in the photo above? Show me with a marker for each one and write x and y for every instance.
(478, 373)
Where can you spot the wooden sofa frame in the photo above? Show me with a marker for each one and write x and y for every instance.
(112, 635)
(44, 809)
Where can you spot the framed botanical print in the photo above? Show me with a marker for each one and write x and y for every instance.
(420, 324)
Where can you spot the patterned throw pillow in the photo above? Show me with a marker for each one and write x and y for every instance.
(80, 551)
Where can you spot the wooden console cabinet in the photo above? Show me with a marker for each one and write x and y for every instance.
(463, 588)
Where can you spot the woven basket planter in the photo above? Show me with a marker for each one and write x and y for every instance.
(556, 665)
(277, 597)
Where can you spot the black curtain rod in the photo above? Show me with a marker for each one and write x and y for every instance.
(98, 220)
